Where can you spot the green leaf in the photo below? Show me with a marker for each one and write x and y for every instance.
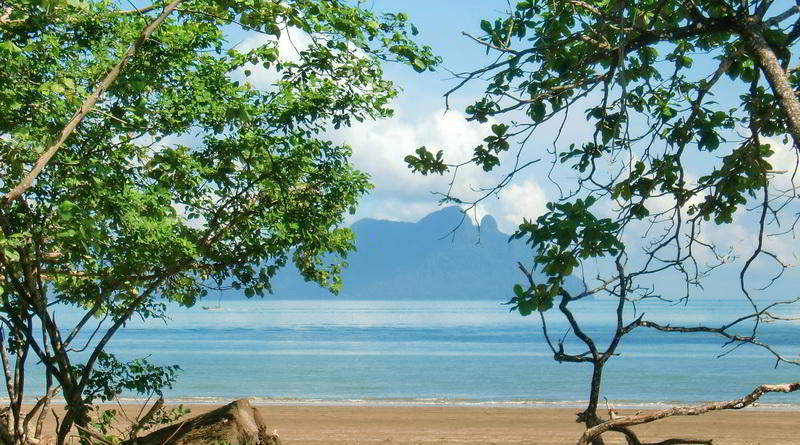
(538, 111)
(499, 129)
(11, 255)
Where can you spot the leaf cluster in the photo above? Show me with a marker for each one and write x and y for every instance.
(112, 377)
(204, 164)
(670, 147)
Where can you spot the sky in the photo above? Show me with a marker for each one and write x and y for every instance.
(421, 119)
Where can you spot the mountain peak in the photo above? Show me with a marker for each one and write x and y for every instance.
(403, 260)
(447, 218)
(488, 224)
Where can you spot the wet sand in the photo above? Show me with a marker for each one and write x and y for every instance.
(348, 425)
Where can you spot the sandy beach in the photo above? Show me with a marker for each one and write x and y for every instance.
(348, 425)
(445, 425)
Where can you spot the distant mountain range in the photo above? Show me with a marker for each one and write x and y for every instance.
(423, 260)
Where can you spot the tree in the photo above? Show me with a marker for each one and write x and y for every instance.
(139, 166)
(670, 157)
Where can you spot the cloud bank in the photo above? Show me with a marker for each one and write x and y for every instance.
(379, 148)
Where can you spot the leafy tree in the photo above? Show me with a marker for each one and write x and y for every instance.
(138, 164)
(687, 104)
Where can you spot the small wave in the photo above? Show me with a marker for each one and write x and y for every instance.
(420, 402)
(441, 401)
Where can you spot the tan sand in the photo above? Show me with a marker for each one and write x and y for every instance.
(347, 425)
(445, 425)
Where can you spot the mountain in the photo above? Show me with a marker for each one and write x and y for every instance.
(429, 259)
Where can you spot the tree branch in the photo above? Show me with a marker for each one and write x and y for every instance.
(88, 366)
(565, 299)
(740, 403)
(42, 404)
(7, 369)
(141, 10)
(783, 16)
(723, 332)
(87, 105)
(777, 77)
(5, 16)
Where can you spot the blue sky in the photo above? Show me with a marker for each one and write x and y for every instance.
(379, 147)
(421, 120)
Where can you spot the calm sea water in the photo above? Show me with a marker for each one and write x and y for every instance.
(442, 352)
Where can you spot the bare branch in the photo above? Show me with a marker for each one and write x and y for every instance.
(723, 331)
(42, 404)
(588, 7)
(565, 299)
(100, 439)
(783, 16)
(740, 403)
(142, 10)
(7, 369)
(141, 422)
(5, 16)
(489, 44)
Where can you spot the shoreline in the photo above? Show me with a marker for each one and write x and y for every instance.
(426, 403)
(459, 425)
(529, 405)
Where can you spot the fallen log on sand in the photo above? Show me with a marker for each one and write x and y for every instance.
(237, 423)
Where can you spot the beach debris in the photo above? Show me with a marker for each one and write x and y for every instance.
(236, 423)
(623, 424)
(612, 413)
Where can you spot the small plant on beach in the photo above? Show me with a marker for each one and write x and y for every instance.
(672, 127)
(148, 153)
(112, 426)
(111, 378)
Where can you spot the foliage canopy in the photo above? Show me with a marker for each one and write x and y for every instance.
(664, 120)
(185, 171)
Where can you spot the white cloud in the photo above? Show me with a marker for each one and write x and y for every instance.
(291, 42)
(784, 163)
(379, 149)
(522, 200)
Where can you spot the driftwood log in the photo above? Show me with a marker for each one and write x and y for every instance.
(622, 424)
(237, 423)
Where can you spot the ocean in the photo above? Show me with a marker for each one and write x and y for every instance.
(445, 352)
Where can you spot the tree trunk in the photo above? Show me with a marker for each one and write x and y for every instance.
(236, 424)
(777, 77)
(77, 413)
(590, 418)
